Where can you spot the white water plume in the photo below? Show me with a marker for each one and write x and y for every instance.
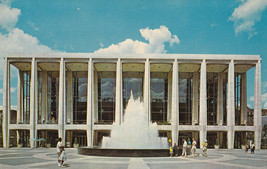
(135, 132)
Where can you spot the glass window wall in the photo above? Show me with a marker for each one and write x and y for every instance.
(159, 96)
(106, 96)
(212, 92)
(185, 98)
(52, 96)
(79, 97)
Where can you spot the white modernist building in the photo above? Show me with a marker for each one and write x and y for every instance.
(78, 96)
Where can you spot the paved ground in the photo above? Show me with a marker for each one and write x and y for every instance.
(47, 159)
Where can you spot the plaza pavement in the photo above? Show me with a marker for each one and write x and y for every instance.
(47, 159)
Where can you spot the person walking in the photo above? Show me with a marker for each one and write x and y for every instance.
(175, 150)
(205, 148)
(252, 148)
(194, 147)
(184, 148)
(62, 157)
(59, 144)
(247, 147)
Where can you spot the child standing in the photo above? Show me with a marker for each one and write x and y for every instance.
(62, 156)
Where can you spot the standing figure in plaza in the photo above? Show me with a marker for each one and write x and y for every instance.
(252, 148)
(247, 147)
(59, 144)
(62, 157)
(175, 150)
(171, 151)
(194, 147)
(205, 148)
(184, 148)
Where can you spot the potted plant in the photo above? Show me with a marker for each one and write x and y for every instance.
(20, 143)
(217, 146)
(76, 144)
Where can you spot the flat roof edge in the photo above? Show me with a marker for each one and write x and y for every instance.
(134, 56)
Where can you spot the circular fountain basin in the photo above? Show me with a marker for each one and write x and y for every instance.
(125, 152)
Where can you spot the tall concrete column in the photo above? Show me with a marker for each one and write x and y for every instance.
(89, 120)
(244, 98)
(33, 98)
(231, 105)
(70, 97)
(147, 89)
(118, 117)
(175, 104)
(220, 100)
(257, 106)
(203, 104)
(195, 99)
(169, 108)
(19, 97)
(61, 100)
(6, 103)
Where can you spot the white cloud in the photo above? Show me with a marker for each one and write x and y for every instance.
(33, 26)
(8, 16)
(19, 41)
(156, 42)
(213, 24)
(15, 40)
(246, 15)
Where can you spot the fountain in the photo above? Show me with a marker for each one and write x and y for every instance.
(135, 136)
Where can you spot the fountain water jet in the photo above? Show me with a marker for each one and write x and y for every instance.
(135, 132)
(134, 137)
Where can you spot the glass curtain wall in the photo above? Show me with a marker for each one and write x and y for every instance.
(225, 83)
(39, 97)
(26, 96)
(79, 91)
(159, 96)
(52, 96)
(212, 93)
(106, 96)
(238, 82)
(185, 98)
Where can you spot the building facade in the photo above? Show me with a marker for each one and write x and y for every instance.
(78, 96)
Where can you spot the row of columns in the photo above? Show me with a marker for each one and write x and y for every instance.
(118, 109)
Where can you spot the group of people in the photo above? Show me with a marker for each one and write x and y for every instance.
(61, 153)
(174, 149)
(251, 147)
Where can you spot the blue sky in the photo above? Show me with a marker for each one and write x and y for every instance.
(191, 26)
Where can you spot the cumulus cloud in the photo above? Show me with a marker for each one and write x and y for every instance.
(19, 41)
(156, 42)
(8, 16)
(15, 40)
(246, 15)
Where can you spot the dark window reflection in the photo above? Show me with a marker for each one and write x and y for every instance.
(132, 81)
(79, 97)
(185, 98)
(52, 96)
(106, 96)
(212, 90)
(159, 97)
(26, 96)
